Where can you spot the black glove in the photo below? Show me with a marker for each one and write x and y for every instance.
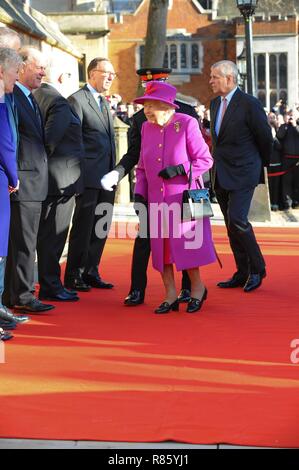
(172, 171)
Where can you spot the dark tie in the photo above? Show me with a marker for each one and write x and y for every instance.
(104, 111)
(36, 111)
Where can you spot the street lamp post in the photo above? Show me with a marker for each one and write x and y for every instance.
(247, 9)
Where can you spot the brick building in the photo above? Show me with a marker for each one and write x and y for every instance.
(201, 32)
(194, 41)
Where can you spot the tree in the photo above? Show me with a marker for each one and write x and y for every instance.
(156, 33)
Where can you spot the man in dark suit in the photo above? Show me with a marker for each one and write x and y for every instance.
(86, 244)
(63, 139)
(33, 175)
(142, 249)
(242, 145)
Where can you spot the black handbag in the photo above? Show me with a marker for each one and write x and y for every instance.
(196, 202)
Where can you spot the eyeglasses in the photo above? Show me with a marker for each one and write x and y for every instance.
(113, 75)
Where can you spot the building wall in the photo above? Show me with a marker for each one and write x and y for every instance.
(127, 35)
(46, 6)
(275, 35)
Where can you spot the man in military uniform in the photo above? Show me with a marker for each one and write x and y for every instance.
(141, 252)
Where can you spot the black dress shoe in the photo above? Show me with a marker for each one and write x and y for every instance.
(195, 304)
(165, 307)
(62, 296)
(136, 297)
(236, 281)
(8, 325)
(254, 281)
(4, 335)
(77, 284)
(96, 281)
(34, 306)
(8, 316)
(184, 296)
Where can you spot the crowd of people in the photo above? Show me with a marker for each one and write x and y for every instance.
(58, 171)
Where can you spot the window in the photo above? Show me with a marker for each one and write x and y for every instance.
(271, 78)
(182, 56)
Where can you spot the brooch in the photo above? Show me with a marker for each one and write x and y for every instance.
(177, 126)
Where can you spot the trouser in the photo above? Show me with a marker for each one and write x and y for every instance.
(89, 232)
(19, 276)
(235, 207)
(274, 190)
(290, 183)
(53, 230)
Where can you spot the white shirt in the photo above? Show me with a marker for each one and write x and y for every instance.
(95, 94)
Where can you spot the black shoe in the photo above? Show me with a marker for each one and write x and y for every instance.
(236, 281)
(136, 297)
(34, 306)
(8, 325)
(195, 304)
(8, 316)
(63, 296)
(97, 282)
(254, 281)
(165, 307)
(184, 296)
(4, 335)
(76, 284)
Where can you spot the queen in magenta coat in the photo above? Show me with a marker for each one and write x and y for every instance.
(169, 143)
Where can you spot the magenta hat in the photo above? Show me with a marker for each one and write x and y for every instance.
(158, 91)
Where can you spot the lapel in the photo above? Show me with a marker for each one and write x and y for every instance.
(230, 110)
(28, 108)
(95, 107)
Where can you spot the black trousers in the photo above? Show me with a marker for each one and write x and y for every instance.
(90, 226)
(275, 190)
(141, 255)
(290, 183)
(235, 207)
(19, 285)
(53, 230)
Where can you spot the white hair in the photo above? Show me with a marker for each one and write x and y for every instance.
(9, 57)
(6, 36)
(227, 67)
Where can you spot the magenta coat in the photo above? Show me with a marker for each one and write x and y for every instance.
(179, 142)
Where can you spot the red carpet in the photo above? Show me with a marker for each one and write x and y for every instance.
(97, 370)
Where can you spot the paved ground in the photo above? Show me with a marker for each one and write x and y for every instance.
(38, 444)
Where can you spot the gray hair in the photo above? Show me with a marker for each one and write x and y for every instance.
(6, 36)
(29, 53)
(9, 57)
(227, 67)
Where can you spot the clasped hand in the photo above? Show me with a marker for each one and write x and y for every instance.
(172, 171)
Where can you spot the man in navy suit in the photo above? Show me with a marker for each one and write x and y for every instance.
(33, 174)
(242, 145)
